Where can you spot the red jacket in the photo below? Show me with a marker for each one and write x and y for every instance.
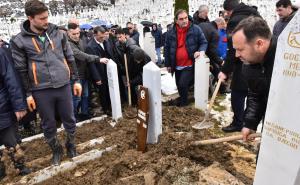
(182, 57)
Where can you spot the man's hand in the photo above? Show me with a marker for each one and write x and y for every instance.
(246, 132)
(169, 69)
(99, 82)
(20, 114)
(127, 84)
(31, 103)
(222, 76)
(104, 60)
(77, 89)
(198, 54)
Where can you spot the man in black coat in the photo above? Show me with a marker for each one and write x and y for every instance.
(136, 59)
(82, 59)
(12, 108)
(102, 48)
(237, 12)
(201, 15)
(210, 30)
(134, 34)
(256, 48)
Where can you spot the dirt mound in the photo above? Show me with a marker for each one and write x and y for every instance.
(172, 161)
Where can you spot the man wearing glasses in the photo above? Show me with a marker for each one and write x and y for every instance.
(135, 35)
(184, 43)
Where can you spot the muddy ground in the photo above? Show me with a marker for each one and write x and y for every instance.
(172, 161)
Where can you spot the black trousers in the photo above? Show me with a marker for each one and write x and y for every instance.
(104, 97)
(184, 79)
(8, 136)
(51, 101)
(238, 106)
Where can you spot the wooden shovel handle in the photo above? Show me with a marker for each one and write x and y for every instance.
(224, 139)
(127, 79)
(212, 100)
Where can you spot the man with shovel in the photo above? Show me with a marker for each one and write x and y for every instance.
(132, 58)
(255, 47)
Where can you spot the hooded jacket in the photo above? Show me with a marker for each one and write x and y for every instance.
(11, 94)
(233, 64)
(42, 65)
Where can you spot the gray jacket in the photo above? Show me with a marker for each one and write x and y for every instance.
(82, 58)
(281, 24)
(43, 64)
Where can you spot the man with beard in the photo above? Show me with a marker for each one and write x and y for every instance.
(237, 12)
(256, 48)
(285, 12)
(184, 43)
(45, 62)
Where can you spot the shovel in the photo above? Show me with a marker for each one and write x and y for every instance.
(205, 123)
(224, 139)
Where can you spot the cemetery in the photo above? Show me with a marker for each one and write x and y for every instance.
(160, 144)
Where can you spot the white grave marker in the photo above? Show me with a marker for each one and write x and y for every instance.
(279, 156)
(149, 46)
(151, 80)
(141, 38)
(114, 92)
(201, 83)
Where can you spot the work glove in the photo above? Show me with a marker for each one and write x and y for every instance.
(77, 89)
(31, 103)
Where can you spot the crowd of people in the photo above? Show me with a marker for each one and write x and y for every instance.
(51, 70)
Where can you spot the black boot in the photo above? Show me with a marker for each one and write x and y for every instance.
(232, 128)
(57, 150)
(2, 170)
(19, 161)
(70, 145)
(22, 168)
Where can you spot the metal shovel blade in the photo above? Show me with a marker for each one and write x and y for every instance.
(203, 125)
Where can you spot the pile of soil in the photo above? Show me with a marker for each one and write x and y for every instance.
(172, 161)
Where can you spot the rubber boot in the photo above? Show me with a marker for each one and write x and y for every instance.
(70, 145)
(57, 150)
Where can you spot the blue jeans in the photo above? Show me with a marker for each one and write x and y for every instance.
(158, 55)
(83, 101)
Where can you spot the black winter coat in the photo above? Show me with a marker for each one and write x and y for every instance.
(233, 64)
(11, 94)
(158, 38)
(98, 70)
(135, 70)
(258, 78)
(197, 20)
(210, 31)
